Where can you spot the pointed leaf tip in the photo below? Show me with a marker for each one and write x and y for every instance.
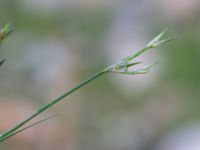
(2, 61)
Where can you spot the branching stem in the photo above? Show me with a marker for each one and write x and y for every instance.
(122, 67)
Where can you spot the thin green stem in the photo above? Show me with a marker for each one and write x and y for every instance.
(50, 104)
(121, 67)
(27, 127)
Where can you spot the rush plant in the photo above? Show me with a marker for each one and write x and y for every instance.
(123, 66)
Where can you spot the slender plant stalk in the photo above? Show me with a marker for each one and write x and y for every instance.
(122, 67)
(48, 105)
(27, 127)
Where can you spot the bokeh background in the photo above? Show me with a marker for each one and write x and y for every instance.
(58, 43)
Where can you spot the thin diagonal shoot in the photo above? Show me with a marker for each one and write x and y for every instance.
(123, 67)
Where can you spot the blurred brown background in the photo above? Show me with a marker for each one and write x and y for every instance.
(58, 43)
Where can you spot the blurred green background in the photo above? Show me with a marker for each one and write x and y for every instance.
(58, 43)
